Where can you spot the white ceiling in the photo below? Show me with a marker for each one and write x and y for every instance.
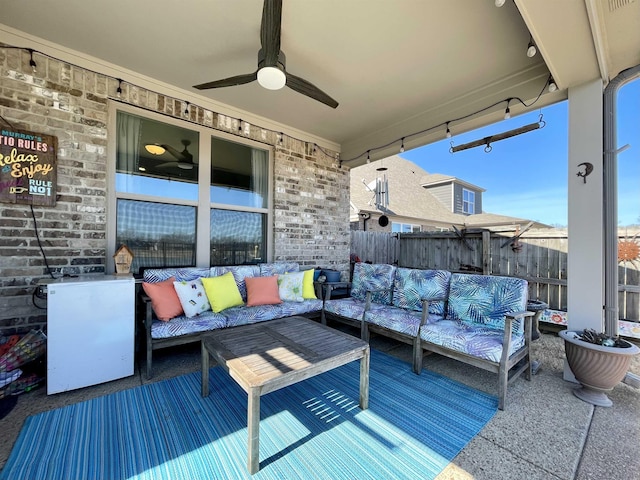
(396, 67)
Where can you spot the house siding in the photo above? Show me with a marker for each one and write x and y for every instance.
(443, 194)
(311, 193)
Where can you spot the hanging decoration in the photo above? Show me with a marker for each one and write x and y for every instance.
(588, 168)
(487, 141)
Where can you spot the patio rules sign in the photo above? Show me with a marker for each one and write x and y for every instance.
(28, 173)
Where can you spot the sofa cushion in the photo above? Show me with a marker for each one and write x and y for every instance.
(262, 291)
(377, 278)
(182, 325)
(164, 299)
(222, 292)
(349, 307)
(476, 340)
(278, 268)
(153, 275)
(300, 308)
(192, 297)
(245, 315)
(484, 300)
(412, 285)
(398, 319)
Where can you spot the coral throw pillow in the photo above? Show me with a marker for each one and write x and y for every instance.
(308, 291)
(164, 299)
(262, 291)
(222, 292)
(192, 297)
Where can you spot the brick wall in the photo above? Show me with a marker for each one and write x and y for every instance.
(311, 194)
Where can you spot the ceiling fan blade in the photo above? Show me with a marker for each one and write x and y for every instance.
(300, 85)
(180, 156)
(167, 164)
(229, 82)
(270, 31)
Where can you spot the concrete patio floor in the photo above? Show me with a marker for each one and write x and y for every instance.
(544, 433)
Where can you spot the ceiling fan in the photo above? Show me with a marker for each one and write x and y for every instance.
(183, 159)
(271, 72)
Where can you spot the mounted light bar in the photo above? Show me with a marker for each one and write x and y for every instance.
(487, 141)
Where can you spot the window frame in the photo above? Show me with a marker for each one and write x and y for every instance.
(203, 204)
(471, 203)
(412, 226)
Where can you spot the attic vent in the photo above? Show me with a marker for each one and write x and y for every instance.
(615, 4)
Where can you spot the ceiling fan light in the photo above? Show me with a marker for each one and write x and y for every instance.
(154, 149)
(271, 78)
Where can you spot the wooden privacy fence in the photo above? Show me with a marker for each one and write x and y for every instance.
(539, 256)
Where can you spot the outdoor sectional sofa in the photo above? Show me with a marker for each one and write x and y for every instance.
(183, 329)
(477, 319)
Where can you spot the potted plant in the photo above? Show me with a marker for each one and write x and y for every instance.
(598, 361)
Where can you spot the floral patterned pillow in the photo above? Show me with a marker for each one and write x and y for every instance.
(192, 297)
(290, 287)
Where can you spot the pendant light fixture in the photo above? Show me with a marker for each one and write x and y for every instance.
(531, 48)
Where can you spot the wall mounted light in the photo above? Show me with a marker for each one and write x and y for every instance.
(552, 84)
(271, 78)
(402, 145)
(448, 131)
(531, 48)
(119, 89)
(507, 112)
(154, 149)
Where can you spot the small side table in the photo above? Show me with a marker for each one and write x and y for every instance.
(323, 289)
(536, 306)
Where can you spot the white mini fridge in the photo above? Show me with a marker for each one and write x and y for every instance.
(90, 331)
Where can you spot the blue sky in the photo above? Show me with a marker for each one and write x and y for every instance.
(526, 176)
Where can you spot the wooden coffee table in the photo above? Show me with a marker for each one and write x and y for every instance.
(264, 357)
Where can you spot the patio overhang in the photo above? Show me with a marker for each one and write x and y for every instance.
(397, 68)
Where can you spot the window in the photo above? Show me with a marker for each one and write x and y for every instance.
(405, 227)
(167, 174)
(239, 178)
(468, 201)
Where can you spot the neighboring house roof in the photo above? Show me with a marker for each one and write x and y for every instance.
(408, 198)
(434, 179)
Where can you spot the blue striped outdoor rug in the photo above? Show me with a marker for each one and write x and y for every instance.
(414, 426)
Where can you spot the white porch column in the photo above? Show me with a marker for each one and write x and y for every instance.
(585, 261)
